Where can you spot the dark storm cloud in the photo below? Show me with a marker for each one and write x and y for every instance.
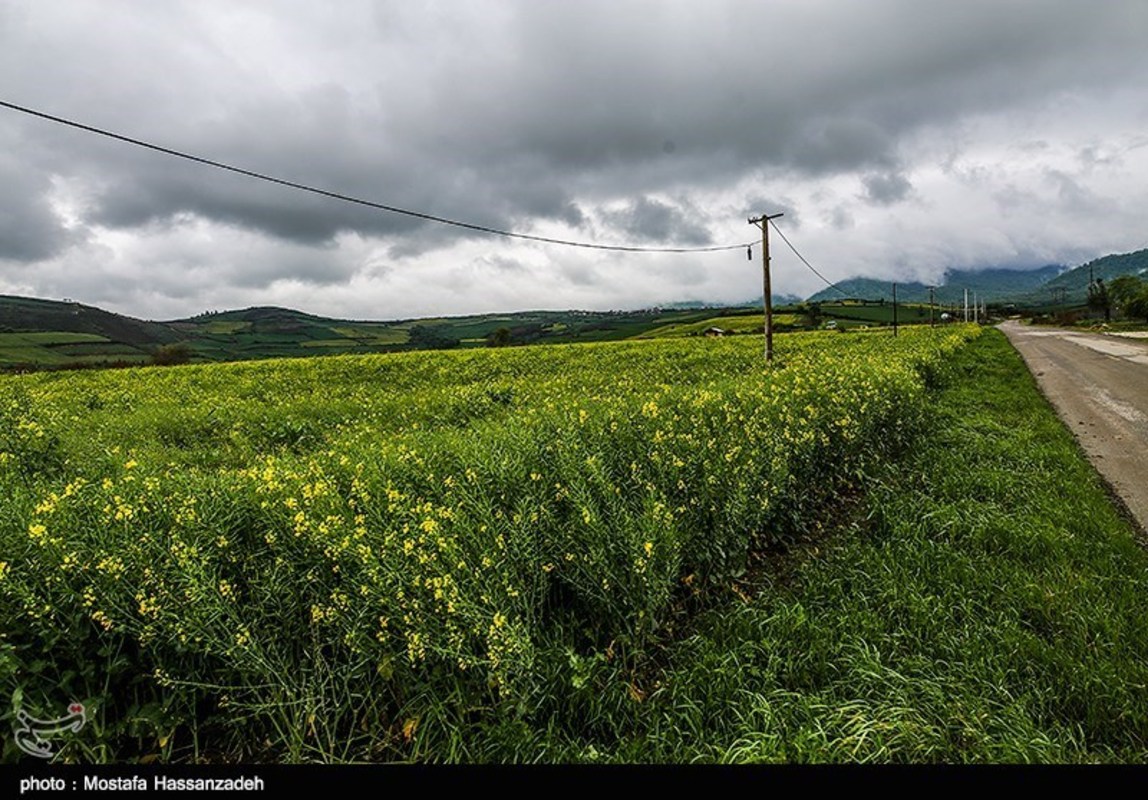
(837, 87)
(546, 96)
(756, 205)
(886, 188)
(649, 220)
(30, 230)
(514, 115)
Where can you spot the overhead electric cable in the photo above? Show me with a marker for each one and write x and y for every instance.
(360, 201)
(813, 269)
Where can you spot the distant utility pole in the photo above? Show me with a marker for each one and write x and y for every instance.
(976, 309)
(932, 323)
(966, 305)
(767, 292)
(894, 309)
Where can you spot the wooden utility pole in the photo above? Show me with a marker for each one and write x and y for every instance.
(894, 309)
(767, 291)
(932, 323)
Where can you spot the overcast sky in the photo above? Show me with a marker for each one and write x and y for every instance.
(899, 137)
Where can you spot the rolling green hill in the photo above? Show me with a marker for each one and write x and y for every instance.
(48, 334)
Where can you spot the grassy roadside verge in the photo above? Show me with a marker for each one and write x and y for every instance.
(990, 607)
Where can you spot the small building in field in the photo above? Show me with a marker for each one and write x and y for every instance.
(714, 332)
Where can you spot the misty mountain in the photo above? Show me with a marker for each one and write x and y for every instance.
(778, 300)
(992, 285)
(1074, 282)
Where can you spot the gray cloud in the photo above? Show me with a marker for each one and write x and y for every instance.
(644, 122)
(30, 229)
(840, 219)
(649, 220)
(755, 205)
(886, 188)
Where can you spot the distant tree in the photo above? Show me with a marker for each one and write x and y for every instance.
(811, 314)
(1138, 305)
(1099, 298)
(1124, 289)
(167, 355)
(498, 338)
(426, 337)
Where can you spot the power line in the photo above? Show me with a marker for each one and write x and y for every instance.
(359, 201)
(813, 269)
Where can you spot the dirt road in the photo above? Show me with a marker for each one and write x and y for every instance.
(1099, 387)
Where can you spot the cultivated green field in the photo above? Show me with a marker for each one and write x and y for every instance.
(359, 557)
(741, 323)
(878, 314)
(642, 551)
(51, 348)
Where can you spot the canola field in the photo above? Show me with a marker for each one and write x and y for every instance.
(324, 558)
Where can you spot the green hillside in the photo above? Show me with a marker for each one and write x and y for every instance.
(1074, 283)
(27, 314)
(48, 333)
(267, 332)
